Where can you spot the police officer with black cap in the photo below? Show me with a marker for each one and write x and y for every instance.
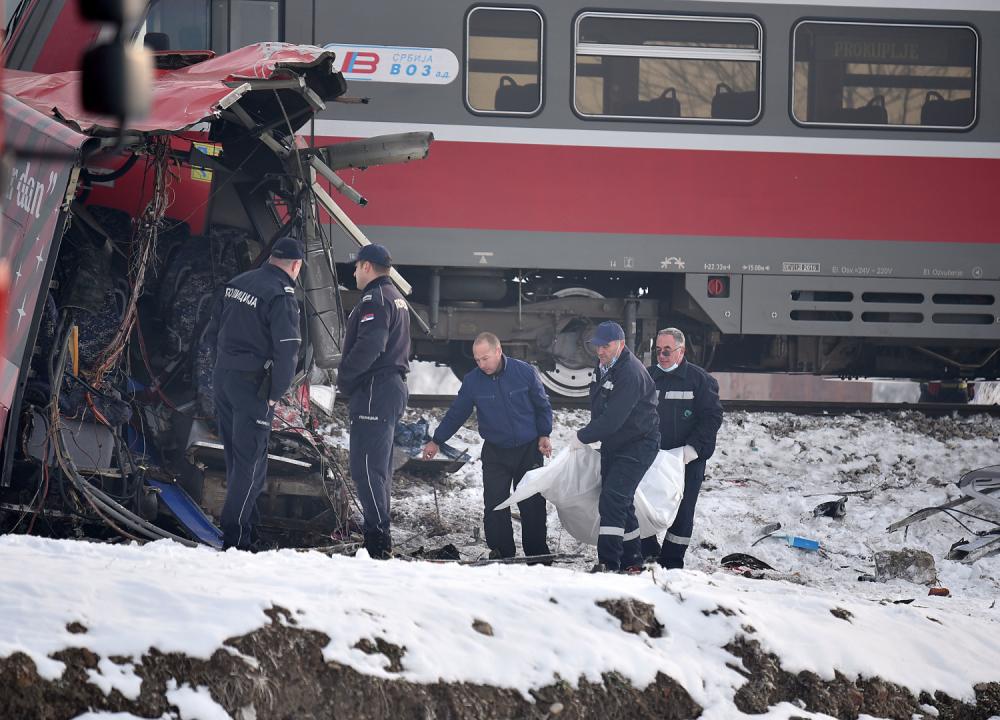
(623, 418)
(373, 372)
(256, 330)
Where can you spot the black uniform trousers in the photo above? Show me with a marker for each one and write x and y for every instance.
(503, 468)
(375, 408)
(621, 471)
(678, 537)
(244, 426)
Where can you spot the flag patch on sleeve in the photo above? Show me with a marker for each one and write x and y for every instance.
(367, 316)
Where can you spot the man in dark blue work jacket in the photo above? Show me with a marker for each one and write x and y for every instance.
(256, 332)
(373, 372)
(623, 418)
(690, 416)
(515, 420)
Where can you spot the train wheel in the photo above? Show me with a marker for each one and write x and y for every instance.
(574, 363)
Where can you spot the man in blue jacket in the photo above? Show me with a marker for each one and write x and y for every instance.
(515, 420)
(623, 418)
(373, 372)
(255, 330)
(690, 416)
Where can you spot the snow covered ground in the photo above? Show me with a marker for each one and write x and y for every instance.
(524, 627)
(764, 469)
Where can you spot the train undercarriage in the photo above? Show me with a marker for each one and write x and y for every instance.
(546, 316)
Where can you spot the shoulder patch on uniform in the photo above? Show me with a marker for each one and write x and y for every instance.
(400, 303)
(289, 290)
(366, 298)
(367, 316)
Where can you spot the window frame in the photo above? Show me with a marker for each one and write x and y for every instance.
(230, 9)
(888, 126)
(733, 54)
(541, 62)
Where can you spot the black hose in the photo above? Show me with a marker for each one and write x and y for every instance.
(89, 177)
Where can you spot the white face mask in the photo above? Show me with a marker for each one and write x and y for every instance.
(667, 369)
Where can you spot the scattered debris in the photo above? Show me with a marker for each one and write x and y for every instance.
(863, 493)
(742, 560)
(527, 559)
(767, 531)
(987, 543)
(409, 439)
(916, 566)
(835, 509)
(939, 592)
(982, 485)
(445, 552)
(796, 541)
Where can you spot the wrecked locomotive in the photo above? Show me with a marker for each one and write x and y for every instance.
(105, 386)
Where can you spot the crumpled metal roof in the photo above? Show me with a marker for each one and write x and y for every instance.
(181, 98)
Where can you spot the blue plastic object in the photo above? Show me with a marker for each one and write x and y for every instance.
(802, 543)
(187, 512)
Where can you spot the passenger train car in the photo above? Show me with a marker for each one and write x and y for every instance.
(801, 187)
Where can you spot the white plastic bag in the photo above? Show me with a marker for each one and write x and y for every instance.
(659, 493)
(572, 482)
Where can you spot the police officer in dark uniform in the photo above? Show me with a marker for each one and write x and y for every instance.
(624, 420)
(256, 330)
(690, 416)
(373, 373)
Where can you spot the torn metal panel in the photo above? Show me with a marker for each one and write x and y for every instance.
(189, 95)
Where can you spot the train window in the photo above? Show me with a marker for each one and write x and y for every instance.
(178, 25)
(503, 61)
(253, 21)
(667, 67)
(875, 74)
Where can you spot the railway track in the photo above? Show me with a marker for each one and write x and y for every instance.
(796, 407)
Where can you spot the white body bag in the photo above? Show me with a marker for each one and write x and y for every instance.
(572, 482)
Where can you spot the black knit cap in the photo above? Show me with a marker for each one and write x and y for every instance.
(376, 254)
(287, 248)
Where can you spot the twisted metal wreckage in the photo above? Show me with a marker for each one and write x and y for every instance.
(105, 390)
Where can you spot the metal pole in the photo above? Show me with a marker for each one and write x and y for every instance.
(435, 299)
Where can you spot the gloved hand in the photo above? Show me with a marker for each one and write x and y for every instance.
(689, 454)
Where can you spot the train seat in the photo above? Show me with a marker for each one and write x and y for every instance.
(512, 97)
(156, 41)
(666, 105)
(871, 114)
(730, 105)
(949, 113)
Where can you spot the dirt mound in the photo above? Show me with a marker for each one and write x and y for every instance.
(768, 684)
(278, 671)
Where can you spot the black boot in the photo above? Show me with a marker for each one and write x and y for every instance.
(378, 545)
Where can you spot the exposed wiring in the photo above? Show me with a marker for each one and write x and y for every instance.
(106, 508)
(144, 235)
